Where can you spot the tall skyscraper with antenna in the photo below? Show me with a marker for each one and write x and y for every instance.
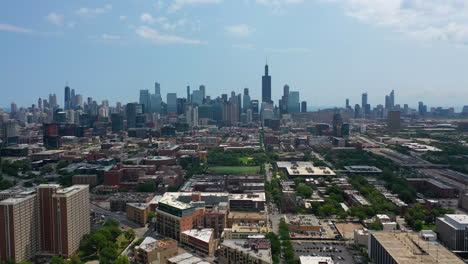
(266, 86)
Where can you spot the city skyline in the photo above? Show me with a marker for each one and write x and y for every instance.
(176, 45)
(197, 97)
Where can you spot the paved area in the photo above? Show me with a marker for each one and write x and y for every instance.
(338, 251)
(347, 229)
(121, 217)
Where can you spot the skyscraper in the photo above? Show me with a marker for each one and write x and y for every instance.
(392, 99)
(293, 102)
(347, 103)
(337, 125)
(67, 97)
(364, 100)
(203, 91)
(72, 99)
(172, 103)
(157, 88)
(197, 97)
(284, 100)
(266, 86)
(132, 110)
(304, 107)
(188, 94)
(393, 121)
(246, 100)
(145, 100)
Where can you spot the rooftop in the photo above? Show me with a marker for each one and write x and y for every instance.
(258, 248)
(410, 248)
(315, 260)
(141, 206)
(187, 258)
(150, 244)
(303, 168)
(204, 235)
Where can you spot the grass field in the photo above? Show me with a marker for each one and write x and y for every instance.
(233, 170)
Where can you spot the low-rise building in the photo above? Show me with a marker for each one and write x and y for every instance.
(303, 169)
(138, 212)
(200, 240)
(186, 258)
(303, 223)
(355, 198)
(247, 202)
(245, 251)
(152, 251)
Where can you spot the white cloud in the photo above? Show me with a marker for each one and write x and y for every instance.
(423, 19)
(54, 18)
(109, 37)
(11, 28)
(164, 22)
(123, 18)
(178, 4)
(158, 38)
(241, 30)
(84, 11)
(71, 25)
(147, 18)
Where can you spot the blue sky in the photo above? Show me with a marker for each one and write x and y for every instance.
(328, 50)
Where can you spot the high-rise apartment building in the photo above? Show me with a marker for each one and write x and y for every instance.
(266, 86)
(48, 220)
(64, 218)
(19, 239)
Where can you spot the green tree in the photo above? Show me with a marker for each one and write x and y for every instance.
(304, 191)
(107, 255)
(75, 259)
(376, 225)
(122, 260)
(56, 260)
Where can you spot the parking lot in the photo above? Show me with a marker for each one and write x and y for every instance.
(338, 251)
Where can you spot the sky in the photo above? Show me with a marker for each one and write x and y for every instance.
(328, 50)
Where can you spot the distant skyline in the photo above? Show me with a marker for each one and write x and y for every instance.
(328, 50)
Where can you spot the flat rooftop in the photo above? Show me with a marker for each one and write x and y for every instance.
(71, 190)
(248, 196)
(263, 251)
(409, 248)
(303, 168)
(315, 260)
(187, 258)
(204, 235)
